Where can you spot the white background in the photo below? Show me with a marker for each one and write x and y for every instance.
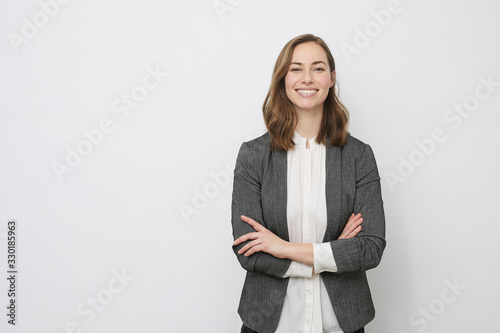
(120, 209)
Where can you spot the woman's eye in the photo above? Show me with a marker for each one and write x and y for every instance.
(295, 69)
(320, 69)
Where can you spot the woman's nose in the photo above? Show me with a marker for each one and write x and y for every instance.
(307, 77)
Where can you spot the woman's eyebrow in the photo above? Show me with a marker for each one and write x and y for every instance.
(314, 63)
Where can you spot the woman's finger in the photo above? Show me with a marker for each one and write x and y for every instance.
(354, 221)
(256, 248)
(256, 225)
(350, 230)
(355, 232)
(249, 246)
(245, 237)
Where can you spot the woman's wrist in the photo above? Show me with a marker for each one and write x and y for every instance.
(303, 253)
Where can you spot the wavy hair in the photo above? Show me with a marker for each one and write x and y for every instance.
(279, 113)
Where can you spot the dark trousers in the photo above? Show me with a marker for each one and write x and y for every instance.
(245, 329)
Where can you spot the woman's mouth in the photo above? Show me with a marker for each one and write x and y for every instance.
(306, 92)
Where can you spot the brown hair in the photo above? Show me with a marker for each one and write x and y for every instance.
(279, 113)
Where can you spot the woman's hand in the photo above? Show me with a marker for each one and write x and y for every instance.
(353, 226)
(263, 240)
(266, 241)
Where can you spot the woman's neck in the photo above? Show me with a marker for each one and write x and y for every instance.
(309, 123)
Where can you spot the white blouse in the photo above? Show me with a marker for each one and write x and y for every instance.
(307, 307)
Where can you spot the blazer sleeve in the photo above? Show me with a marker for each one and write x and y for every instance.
(364, 251)
(246, 201)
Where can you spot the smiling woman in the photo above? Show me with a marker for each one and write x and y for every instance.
(309, 79)
(307, 211)
(304, 64)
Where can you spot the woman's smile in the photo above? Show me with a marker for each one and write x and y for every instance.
(306, 92)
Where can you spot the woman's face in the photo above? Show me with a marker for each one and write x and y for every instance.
(309, 78)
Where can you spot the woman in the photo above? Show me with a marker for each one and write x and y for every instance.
(307, 212)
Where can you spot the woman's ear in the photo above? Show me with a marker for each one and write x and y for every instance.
(332, 78)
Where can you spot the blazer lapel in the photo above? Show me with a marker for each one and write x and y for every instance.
(280, 171)
(333, 188)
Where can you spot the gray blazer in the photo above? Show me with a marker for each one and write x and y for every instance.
(352, 186)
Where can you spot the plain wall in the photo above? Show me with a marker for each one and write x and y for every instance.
(156, 97)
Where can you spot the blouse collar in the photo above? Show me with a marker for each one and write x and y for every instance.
(301, 141)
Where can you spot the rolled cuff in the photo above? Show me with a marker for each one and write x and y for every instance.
(298, 269)
(323, 258)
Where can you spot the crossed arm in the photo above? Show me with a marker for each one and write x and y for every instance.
(264, 240)
(267, 253)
